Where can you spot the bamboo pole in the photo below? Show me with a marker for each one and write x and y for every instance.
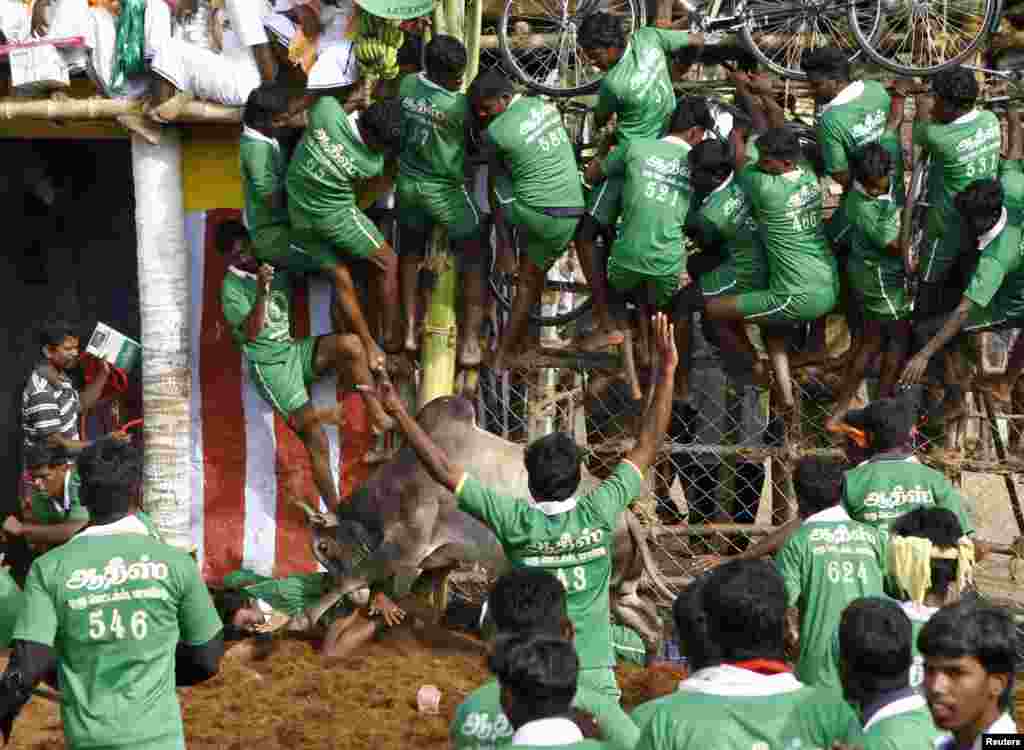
(439, 330)
(95, 108)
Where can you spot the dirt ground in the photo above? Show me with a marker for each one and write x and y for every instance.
(292, 699)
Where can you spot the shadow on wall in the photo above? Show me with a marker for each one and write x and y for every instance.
(70, 255)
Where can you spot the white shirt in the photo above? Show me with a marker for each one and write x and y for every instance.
(1003, 725)
(553, 731)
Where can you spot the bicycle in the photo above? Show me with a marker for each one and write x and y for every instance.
(538, 38)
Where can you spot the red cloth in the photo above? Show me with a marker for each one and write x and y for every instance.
(763, 666)
(116, 383)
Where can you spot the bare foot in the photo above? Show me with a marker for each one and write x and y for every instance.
(470, 355)
(411, 343)
(600, 340)
(142, 127)
(171, 109)
(377, 360)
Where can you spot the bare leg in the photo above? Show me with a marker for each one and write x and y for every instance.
(594, 264)
(869, 345)
(474, 295)
(682, 385)
(347, 634)
(384, 279)
(779, 358)
(531, 282)
(346, 355)
(409, 275)
(311, 432)
(896, 348)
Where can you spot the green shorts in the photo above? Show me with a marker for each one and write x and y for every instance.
(999, 314)
(543, 236)
(327, 237)
(660, 288)
(273, 245)
(719, 280)
(766, 306)
(939, 254)
(881, 292)
(284, 384)
(604, 202)
(422, 205)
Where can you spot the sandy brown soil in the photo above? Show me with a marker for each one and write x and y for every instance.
(294, 700)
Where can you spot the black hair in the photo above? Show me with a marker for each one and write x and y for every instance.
(818, 483)
(744, 602)
(713, 156)
(490, 85)
(111, 474)
(446, 56)
(383, 122)
(528, 600)
(871, 162)
(981, 198)
(539, 670)
(553, 464)
(876, 645)
(958, 86)
(780, 143)
(40, 454)
(692, 627)
(940, 526)
(228, 233)
(228, 602)
(691, 111)
(826, 63)
(263, 104)
(54, 333)
(981, 631)
(718, 55)
(411, 51)
(600, 30)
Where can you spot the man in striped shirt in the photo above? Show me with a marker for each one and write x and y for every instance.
(50, 404)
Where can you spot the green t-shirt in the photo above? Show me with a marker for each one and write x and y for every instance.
(581, 745)
(264, 168)
(826, 564)
(530, 143)
(918, 614)
(434, 122)
(855, 117)
(723, 708)
(150, 525)
(291, 595)
(12, 601)
(480, 724)
(238, 297)
(874, 223)
(725, 219)
(962, 151)
(330, 157)
(655, 200)
(882, 489)
(638, 88)
(1011, 175)
(904, 724)
(48, 510)
(572, 539)
(999, 276)
(787, 209)
(114, 604)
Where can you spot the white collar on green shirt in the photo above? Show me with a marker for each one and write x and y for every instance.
(863, 191)
(428, 82)
(127, 525)
(829, 515)
(965, 118)
(353, 121)
(725, 183)
(64, 503)
(548, 732)
(257, 135)
(847, 95)
(243, 274)
(986, 239)
(728, 680)
(918, 612)
(554, 507)
(901, 706)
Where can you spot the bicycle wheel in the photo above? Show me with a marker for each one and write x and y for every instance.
(913, 219)
(539, 46)
(778, 32)
(922, 37)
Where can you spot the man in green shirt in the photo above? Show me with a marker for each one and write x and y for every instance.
(431, 187)
(12, 601)
(567, 534)
(57, 511)
(336, 151)
(637, 90)
(875, 639)
(123, 617)
(531, 600)
(930, 563)
(970, 656)
(994, 298)
(830, 561)
(741, 694)
(257, 305)
(648, 258)
(534, 185)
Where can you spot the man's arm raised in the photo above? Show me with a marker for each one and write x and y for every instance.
(656, 420)
(436, 461)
